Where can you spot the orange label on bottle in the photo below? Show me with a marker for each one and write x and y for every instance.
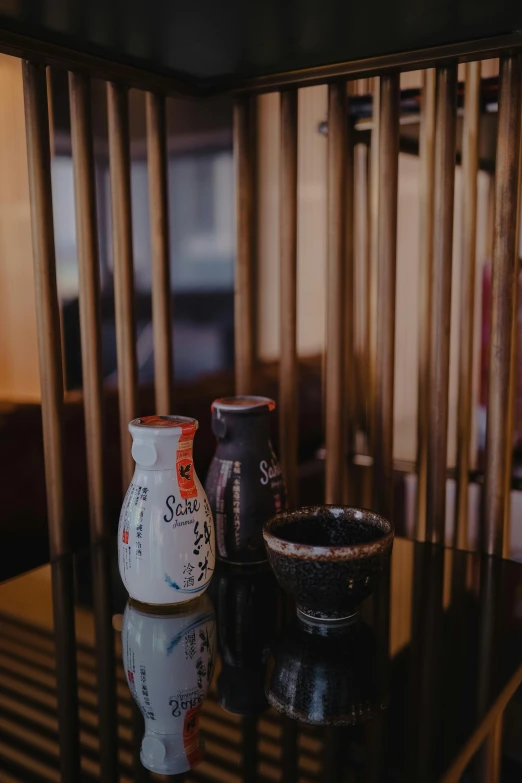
(191, 737)
(185, 470)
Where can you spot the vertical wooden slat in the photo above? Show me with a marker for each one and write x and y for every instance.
(490, 217)
(499, 433)
(440, 302)
(335, 294)
(89, 295)
(386, 284)
(490, 592)
(374, 254)
(427, 159)
(361, 263)
(467, 295)
(90, 321)
(349, 360)
(105, 661)
(427, 655)
(47, 309)
(159, 237)
(51, 381)
(50, 109)
(119, 153)
(62, 580)
(244, 309)
(288, 368)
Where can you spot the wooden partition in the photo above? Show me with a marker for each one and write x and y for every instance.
(438, 117)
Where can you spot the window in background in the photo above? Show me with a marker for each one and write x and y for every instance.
(201, 203)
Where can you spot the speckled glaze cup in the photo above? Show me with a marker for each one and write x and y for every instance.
(329, 558)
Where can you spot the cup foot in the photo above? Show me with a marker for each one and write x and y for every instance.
(317, 618)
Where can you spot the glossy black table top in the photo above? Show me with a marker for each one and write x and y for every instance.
(394, 697)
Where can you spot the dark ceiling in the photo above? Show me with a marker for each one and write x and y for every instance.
(209, 44)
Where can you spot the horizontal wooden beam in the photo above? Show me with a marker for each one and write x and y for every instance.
(170, 82)
(414, 60)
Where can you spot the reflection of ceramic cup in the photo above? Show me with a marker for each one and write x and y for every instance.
(328, 676)
(330, 558)
(169, 663)
(246, 608)
(166, 532)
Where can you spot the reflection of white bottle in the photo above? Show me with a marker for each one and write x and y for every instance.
(169, 662)
(166, 531)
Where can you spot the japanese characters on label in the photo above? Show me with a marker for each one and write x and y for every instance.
(134, 506)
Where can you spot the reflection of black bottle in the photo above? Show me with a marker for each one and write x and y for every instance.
(328, 676)
(246, 604)
(244, 484)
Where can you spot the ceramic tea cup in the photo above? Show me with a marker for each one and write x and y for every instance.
(329, 558)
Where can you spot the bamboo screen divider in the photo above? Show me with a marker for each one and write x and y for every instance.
(437, 152)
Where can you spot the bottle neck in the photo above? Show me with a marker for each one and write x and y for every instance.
(241, 426)
(162, 453)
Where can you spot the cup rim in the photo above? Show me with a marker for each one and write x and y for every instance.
(332, 552)
(243, 403)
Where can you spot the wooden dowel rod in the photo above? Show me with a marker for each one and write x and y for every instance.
(119, 154)
(427, 159)
(89, 295)
(288, 368)
(157, 162)
(467, 296)
(349, 358)
(386, 286)
(504, 286)
(335, 295)
(244, 307)
(373, 201)
(46, 295)
(51, 381)
(440, 302)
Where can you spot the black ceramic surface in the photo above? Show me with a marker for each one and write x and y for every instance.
(329, 558)
(328, 677)
(244, 484)
(451, 623)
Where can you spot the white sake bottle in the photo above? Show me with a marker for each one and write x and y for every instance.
(169, 663)
(166, 531)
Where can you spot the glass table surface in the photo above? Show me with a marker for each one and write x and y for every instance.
(234, 687)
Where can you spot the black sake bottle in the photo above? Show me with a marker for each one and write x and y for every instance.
(244, 485)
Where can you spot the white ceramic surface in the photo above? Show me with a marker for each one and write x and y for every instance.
(169, 663)
(166, 531)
